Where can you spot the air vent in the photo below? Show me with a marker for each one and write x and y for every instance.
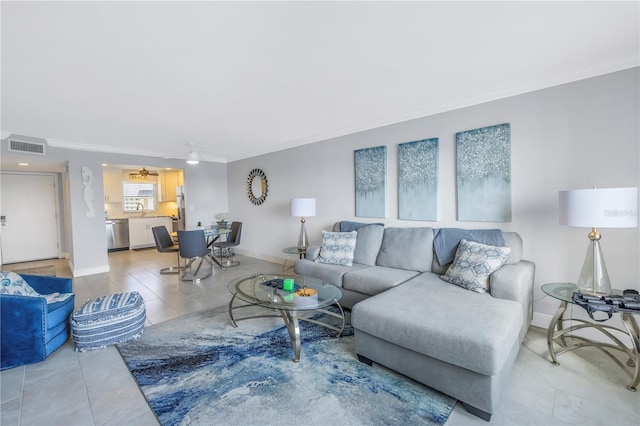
(26, 147)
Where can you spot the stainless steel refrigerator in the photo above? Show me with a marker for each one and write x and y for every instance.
(179, 220)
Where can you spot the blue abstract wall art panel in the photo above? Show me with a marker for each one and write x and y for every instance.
(371, 181)
(483, 158)
(418, 180)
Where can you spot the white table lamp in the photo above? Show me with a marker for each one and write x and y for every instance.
(303, 207)
(598, 208)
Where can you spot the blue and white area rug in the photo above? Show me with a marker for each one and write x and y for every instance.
(199, 370)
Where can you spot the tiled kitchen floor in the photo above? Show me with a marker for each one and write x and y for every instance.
(95, 388)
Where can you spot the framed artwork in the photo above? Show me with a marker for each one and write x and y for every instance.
(371, 181)
(483, 160)
(418, 180)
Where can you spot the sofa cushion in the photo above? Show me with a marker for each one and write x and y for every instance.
(58, 312)
(407, 248)
(473, 264)
(325, 272)
(346, 226)
(431, 317)
(368, 244)
(368, 241)
(338, 248)
(375, 279)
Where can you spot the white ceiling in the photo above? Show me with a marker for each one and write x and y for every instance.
(238, 79)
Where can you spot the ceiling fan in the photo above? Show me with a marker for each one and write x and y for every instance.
(143, 172)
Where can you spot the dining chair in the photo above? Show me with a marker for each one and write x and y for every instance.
(193, 248)
(233, 240)
(164, 244)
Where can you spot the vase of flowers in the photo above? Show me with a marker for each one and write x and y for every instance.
(221, 220)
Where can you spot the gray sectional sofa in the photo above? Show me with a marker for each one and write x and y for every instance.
(407, 318)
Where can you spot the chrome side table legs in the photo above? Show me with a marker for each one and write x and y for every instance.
(632, 328)
(556, 323)
(557, 332)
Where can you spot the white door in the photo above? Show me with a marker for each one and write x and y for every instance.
(28, 217)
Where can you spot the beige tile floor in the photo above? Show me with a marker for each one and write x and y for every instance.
(95, 388)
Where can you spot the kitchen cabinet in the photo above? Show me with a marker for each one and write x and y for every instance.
(112, 185)
(140, 230)
(168, 181)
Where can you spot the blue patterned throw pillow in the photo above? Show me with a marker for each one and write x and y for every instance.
(12, 283)
(473, 264)
(338, 248)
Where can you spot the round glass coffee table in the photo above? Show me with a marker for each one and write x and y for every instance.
(270, 291)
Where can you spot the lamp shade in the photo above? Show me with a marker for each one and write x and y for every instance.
(599, 208)
(303, 207)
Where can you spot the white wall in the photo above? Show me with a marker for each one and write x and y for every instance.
(572, 136)
(87, 254)
(206, 192)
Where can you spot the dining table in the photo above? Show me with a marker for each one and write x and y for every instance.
(211, 234)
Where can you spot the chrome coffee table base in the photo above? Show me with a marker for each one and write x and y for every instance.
(292, 321)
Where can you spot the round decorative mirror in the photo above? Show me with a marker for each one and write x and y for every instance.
(257, 187)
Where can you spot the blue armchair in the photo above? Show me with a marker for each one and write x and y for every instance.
(30, 328)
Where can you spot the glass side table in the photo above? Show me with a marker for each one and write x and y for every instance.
(556, 332)
(292, 250)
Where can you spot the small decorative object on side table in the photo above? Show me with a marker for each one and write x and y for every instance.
(564, 293)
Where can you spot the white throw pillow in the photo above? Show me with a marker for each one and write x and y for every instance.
(338, 248)
(473, 264)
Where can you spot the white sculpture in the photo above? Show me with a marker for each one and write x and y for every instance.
(87, 191)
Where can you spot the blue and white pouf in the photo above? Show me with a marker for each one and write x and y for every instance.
(107, 320)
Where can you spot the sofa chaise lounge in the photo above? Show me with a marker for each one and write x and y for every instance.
(405, 317)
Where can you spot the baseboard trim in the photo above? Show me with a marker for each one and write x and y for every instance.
(88, 271)
(541, 320)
